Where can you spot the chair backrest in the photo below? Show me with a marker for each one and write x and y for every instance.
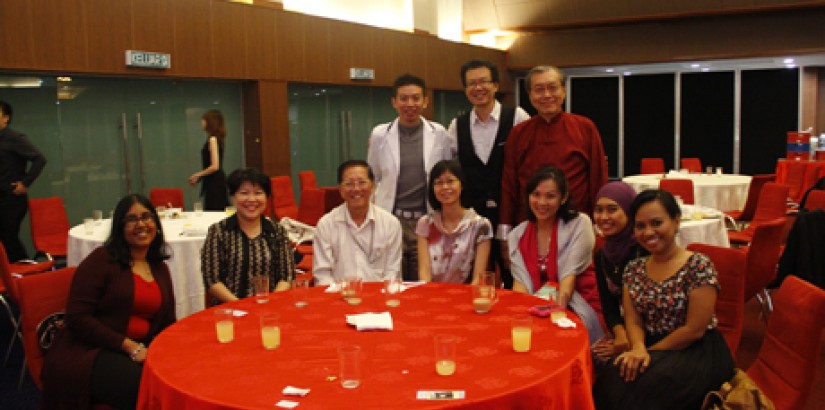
(763, 256)
(772, 204)
(653, 166)
(795, 179)
(49, 225)
(754, 189)
(730, 303)
(166, 196)
(40, 296)
(307, 180)
(312, 206)
(815, 200)
(682, 188)
(283, 197)
(785, 367)
(692, 164)
(6, 275)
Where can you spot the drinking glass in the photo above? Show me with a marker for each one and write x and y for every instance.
(522, 328)
(224, 325)
(270, 331)
(392, 291)
(88, 226)
(198, 208)
(261, 285)
(349, 359)
(444, 354)
(300, 288)
(97, 215)
(353, 291)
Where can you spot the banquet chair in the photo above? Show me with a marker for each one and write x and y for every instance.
(691, 164)
(40, 296)
(771, 205)
(167, 196)
(49, 227)
(682, 188)
(795, 179)
(730, 303)
(653, 166)
(311, 208)
(307, 180)
(283, 197)
(755, 187)
(814, 200)
(761, 262)
(785, 366)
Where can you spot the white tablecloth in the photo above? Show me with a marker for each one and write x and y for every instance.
(184, 236)
(725, 192)
(710, 231)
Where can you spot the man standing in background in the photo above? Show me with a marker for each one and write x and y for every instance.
(478, 137)
(401, 154)
(15, 151)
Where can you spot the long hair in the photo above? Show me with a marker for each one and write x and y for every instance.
(116, 243)
(215, 126)
(567, 210)
(452, 166)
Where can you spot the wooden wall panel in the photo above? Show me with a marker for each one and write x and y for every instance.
(340, 56)
(252, 125)
(153, 26)
(109, 35)
(382, 48)
(261, 43)
(363, 50)
(17, 47)
(228, 39)
(289, 28)
(272, 97)
(193, 38)
(59, 33)
(317, 50)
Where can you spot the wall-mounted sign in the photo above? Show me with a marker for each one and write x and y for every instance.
(148, 59)
(362, 74)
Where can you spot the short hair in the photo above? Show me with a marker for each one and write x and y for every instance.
(352, 163)
(407, 79)
(539, 69)
(473, 64)
(445, 165)
(6, 109)
(655, 195)
(567, 210)
(251, 175)
(116, 244)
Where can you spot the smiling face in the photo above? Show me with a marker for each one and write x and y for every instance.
(409, 101)
(447, 188)
(356, 188)
(654, 228)
(139, 227)
(480, 89)
(609, 217)
(547, 93)
(250, 201)
(546, 200)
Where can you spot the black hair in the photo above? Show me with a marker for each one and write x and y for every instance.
(567, 210)
(351, 164)
(251, 175)
(6, 109)
(408, 79)
(116, 243)
(473, 64)
(650, 195)
(445, 165)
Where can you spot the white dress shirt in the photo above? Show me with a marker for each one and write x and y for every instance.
(484, 133)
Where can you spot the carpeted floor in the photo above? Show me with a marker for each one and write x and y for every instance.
(12, 398)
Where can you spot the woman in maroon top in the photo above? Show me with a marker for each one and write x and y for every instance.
(121, 297)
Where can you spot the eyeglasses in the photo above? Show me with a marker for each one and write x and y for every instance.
(445, 182)
(359, 183)
(145, 217)
(479, 83)
(543, 88)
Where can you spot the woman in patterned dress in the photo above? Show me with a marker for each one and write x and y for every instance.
(676, 354)
(453, 241)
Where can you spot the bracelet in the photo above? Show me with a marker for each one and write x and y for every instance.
(140, 347)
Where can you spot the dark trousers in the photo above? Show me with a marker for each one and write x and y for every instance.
(496, 259)
(13, 209)
(115, 380)
(409, 249)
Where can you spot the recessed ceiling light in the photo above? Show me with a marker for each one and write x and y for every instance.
(627, 73)
(610, 70)
(790, 65)
(705, 69)
(694, 65)
(788, 61)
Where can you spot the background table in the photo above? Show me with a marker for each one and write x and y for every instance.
(187, 368)
(184, 265)
(711, 231)
(725, 192)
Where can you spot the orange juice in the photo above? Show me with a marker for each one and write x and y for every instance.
(445, 367)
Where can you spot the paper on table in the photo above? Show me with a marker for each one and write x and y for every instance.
(371, 321)
(239, 313)
(565, 323)
(295, 391)
(410, 285)
(194, 232)
(333, 288)
(287, 404)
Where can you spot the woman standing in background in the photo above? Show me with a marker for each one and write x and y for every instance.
(213, 187)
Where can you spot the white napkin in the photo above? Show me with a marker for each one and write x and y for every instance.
(410, 285)
(565, 323)
(287, 404)
(371, 321)
(194, 232)
(333, 288)
(295, 391)
(239, 313)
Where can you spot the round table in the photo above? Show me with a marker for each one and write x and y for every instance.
(185, 238)
(187, 368)
(725, 192)
(711, 231)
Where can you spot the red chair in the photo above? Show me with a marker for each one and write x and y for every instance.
(283, 198)
(682, 188)
(771, 205)
(762, 259)
(307, 180)
(691, 164)
(167, 196)
(815, 200)
(730, 303)
(795, 179)
(312, 206)
(653, 166)
(40, 296)
(49, 226)
(755, 187)
(785, 367)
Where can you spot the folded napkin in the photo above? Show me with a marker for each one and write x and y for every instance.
(239, 313)
(371, 321)
(287, 404)
(295, 391)
(195, 232)
(333, 288)
(410, 285)
(565, 323)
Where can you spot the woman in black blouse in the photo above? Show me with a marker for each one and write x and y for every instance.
(246, 244)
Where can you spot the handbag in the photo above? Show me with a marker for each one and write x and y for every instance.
(740, 393)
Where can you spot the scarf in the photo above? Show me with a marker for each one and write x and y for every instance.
(529, 247)
(617, 247)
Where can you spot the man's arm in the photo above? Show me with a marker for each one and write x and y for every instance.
(25, 149)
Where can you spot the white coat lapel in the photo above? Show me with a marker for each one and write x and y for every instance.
(429, 141)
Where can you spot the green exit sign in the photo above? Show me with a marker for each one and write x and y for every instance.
(147, 59)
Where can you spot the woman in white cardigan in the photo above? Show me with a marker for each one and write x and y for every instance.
(554, 247)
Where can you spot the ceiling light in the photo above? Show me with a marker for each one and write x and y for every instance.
(609, 70)
(788, 61)
(627, 73)
(705, 69)
(694, 65)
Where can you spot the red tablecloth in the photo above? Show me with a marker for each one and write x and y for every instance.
(188, 369)
(799, 175)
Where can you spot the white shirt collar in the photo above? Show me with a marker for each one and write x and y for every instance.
(493, 114)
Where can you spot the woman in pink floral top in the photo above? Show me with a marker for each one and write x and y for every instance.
(676, 354)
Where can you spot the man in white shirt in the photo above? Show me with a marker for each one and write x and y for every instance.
(356, 238)
(478, 138)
